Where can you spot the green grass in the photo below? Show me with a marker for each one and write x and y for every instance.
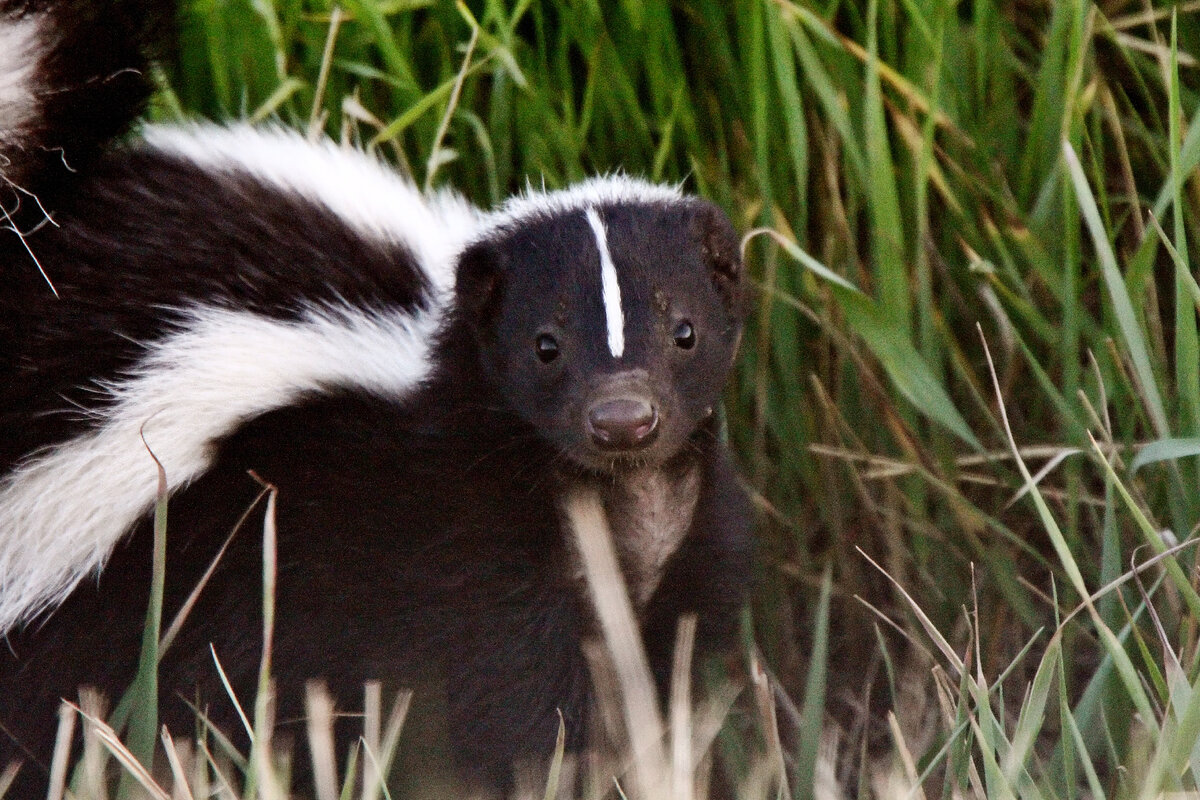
(943, 176)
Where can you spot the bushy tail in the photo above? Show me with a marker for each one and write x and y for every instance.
(73, 76)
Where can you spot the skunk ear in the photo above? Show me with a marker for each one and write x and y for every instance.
(720, 248)
(478, 284)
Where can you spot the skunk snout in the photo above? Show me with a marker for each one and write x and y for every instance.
(628, 422)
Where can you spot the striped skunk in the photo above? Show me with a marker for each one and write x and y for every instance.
(422, 381)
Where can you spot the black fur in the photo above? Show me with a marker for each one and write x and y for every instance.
(92, 81)
(421, 538)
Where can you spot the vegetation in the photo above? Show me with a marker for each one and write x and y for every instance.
(969, 402)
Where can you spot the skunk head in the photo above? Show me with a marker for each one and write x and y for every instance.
(607, 316)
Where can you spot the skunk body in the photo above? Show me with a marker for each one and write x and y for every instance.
(423, 383)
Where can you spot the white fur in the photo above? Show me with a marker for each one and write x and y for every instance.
(363, 191)
(650, 512)
(62, 512)
(18, 67)
(600, 191)
(614, 316)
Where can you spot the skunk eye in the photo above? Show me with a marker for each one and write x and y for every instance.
(547, 348)
(685, 335)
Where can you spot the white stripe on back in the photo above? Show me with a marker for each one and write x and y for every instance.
(613, 314)
(63, 510)
(360, 189)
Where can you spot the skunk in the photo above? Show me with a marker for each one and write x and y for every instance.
(423, 383)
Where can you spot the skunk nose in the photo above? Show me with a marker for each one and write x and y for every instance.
(625, 423)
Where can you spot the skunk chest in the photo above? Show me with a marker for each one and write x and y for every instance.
(650, 512)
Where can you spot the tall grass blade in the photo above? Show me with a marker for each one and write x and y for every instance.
(680, 710)
(1032, 717)
(1187, 341)
(887, 226)
(1153, 538)
(1112, 645)
(133, 768)
(1118, 293)
(261, 776)
(381, 760)
(318, 723)
(1080, 746)
(142, 697)
(910, 374)
(556, 761)
(181, 789)
(1165, 450)
(63, 740)
(812, 713)
(611, 601)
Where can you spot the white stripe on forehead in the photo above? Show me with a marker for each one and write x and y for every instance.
(613, 315)
(593, 192)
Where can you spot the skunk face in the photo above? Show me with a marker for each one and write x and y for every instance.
(609, 327)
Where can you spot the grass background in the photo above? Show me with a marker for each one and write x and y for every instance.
(937, 175)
